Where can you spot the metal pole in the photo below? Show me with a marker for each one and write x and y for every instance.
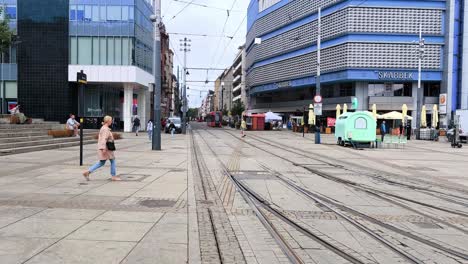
(157, 78)
(81, 121)
(184, 106)
(317, 90)
(303, 121)
(419, 94)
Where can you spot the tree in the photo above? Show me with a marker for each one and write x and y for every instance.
(6, 34)
(192, 113)
(237, 108)
(225, 111)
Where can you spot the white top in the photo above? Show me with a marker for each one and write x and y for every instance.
(71, 122)
(149, 127)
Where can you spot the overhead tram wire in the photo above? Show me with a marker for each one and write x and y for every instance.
(205, 6)
(224, 29)
(182, 10)
(200, 35)
(229, 43)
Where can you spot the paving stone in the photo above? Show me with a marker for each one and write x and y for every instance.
(84, 252)
(41, 228)
(125, 216)
(17, 250)
(111, 231)
(71, 214)
(160, 253)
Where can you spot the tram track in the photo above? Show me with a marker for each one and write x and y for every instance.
(212, 223)
(460, 200)
(378, 176)
(256, 202)
(446, 249)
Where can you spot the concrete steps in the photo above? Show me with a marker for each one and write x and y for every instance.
(4, 152)
(47, 141)
(16, 139)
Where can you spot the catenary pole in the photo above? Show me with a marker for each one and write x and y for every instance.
(317, 90)
(185, 47)
(420, 94)
(156, 144)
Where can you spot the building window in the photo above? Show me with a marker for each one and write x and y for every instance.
(327, 91)
(95, 16)
(73, 12)
(114, 13)
(346, 89)
(103, 13)
(360, 123)
(432, 89)
(84, 51)
(131, 13)
(124, 13)
(80, 13)
(88, 13)
(10, 12)
(390, 89)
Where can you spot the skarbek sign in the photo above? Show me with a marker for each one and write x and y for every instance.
(387, 75)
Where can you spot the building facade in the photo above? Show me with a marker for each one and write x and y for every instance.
(369, 50)
(111, 41)
(225, 90)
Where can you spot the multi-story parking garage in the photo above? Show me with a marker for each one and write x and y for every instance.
(369, 50)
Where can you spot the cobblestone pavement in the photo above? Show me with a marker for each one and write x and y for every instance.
(184, 204)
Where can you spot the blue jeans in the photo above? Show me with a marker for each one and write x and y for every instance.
(101, 163)
(150, 135)
(172, 132)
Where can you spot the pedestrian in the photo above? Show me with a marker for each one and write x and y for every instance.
(172, 128)
(72, 124)
(383, 130)
(243, 127)
(149, 129)
(105, 150)
(136, 124)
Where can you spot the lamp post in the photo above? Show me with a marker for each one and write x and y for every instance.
(156, 18)
(317, 90)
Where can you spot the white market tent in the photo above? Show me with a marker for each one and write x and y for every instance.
(270, 116)
(394, 115)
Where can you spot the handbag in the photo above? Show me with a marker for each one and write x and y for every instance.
(110, 145)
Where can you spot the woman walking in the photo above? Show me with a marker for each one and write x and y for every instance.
(104, 154)
(243, 127)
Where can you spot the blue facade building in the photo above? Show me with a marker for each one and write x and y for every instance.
(112, 41)
(369, 51)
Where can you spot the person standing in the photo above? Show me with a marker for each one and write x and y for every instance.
(104, 154)
(401, 130)
(72, 124)
(243, 127)
(136, 125)
(172, 128)
(383, 130)
(149, 129)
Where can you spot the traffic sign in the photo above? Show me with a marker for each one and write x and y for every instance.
(318, 99)
(318, 109)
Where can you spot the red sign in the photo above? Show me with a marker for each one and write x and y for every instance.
(318, 99)
(331, 121)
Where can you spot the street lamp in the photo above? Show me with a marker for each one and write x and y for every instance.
(222, 96)
(156, 18)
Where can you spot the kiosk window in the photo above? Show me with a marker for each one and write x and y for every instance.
(360, 123)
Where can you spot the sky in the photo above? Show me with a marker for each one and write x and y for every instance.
(213, 51)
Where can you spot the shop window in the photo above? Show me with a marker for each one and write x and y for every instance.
(432, 89)
(390, 89)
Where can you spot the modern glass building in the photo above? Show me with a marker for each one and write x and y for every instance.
(369, 51)
(110, 40)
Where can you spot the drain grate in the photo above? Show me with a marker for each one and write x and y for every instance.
(133, 177)
(151, 203)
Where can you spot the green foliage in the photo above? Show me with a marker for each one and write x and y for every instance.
(192, 113)
(6, 34)
(237, 108)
